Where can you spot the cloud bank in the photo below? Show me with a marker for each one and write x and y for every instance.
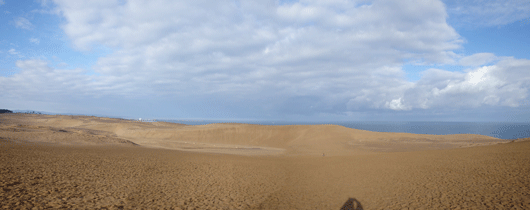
(274, 58)
(488, 12)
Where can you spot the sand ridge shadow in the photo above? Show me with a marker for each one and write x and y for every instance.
(352, 204)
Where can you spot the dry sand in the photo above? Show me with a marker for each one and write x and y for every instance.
(90, 162)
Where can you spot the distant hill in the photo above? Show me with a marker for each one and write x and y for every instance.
(66, 113)
(42, 112)
(5, 111)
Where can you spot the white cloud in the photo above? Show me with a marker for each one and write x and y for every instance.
(478, 59)
(2, 2)
(44, 3)
(396, 104)
(253, 46)
(13, 52)
(36, 79)
(34, 40)
(505, 83)
(304, 57)
(23, 23)
(62, 65)
(488, 12)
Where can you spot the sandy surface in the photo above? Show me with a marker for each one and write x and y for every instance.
(230, 138)
(89, 162)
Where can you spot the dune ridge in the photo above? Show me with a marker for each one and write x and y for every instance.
(231, 138)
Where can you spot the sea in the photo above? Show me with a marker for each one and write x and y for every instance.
(502, 130)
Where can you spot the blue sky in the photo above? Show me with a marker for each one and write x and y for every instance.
(268, 60)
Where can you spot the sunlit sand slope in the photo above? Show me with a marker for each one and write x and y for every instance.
(53, 176)
(76, 162)
(243, 139)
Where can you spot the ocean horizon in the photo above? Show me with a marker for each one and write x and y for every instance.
(501, 130)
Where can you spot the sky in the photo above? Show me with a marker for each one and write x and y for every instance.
(306, 60)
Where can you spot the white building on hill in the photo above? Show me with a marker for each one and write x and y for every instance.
(146, 120)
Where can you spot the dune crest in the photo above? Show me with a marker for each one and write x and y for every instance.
(232, 138)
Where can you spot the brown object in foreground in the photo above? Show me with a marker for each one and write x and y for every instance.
(352, 204)
(115, 174)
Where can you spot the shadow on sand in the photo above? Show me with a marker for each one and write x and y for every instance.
(352, 204)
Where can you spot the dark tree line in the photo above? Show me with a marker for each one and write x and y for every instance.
(9, 111)
(5, 111)
(32, 112)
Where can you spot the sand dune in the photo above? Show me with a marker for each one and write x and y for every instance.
(79, 162)
(234, 138)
